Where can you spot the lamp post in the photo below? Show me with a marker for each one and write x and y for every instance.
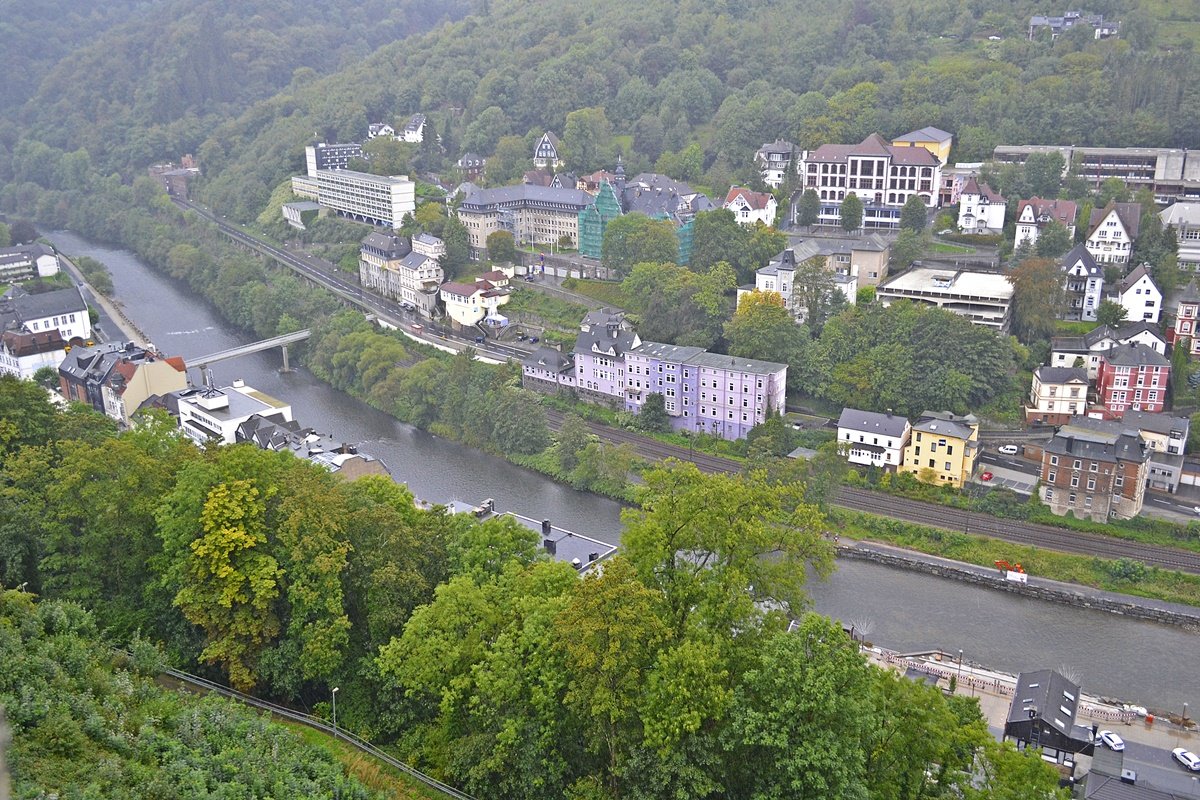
(959, 681)
(335, 710)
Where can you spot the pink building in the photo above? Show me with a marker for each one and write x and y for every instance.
(1132, 377)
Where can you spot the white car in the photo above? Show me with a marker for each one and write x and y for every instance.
(1008, 449)
(1186, 757)
(1112, 741)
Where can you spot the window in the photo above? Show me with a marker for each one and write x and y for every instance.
(1074, 481)
(1049, 494)
(1050, 476)
(1071, 498)
(1120, 480)
(1093, 467)
(1077, 464)
(1054, 461)
(947, 466)
(1091, 484)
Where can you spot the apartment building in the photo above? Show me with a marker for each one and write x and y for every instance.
(1113, 230)
(775, 160)
(390, 265)
(532, 214)
(981, 208)
(1131, 377)
(1083, 282)
(1094, 474)
(322, 156)
(1087, 350)
(1056, 395)
(872, 439)
(943, 448)
(1034, 214)
(1170, 173)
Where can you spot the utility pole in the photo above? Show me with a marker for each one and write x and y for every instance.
(334, 693)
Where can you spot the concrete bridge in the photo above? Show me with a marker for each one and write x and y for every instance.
(281, 342)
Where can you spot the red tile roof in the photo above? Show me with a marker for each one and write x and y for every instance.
(756, 200)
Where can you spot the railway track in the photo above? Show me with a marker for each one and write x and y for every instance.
(952, 519)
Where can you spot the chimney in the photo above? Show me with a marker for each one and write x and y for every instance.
(592, 557)
(1128, 776)
(549, 546)
(546, 530)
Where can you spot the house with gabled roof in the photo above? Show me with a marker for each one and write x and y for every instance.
(1112, 230)
(377, 129)
(468, 304)
(1186, 329)
(1094, 473)
(1056, 394)
(775, 160)
(751, 207)
(943, 448)
(1131, 377)
(873, 439)
(981, 208)
(935, 140)
(1087, 350)
(1034, 214)
(1042, 715)
(548, 153)
(63, 310)
(548, 370)
(414, 129)
(1184, 218)
(605, 336)
(1083, 284)
(1139, 295)
(117, 377)
(23, 354)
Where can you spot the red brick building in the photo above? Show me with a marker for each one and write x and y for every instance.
(1094, 474)
(1132, 377)
(1187, 320)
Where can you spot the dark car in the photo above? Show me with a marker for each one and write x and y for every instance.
(478, 340)
(520, 336)
(533, 340)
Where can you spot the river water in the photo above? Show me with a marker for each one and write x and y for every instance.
(1151, 664)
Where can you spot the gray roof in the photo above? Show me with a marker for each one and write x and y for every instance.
(96, 361)
(1045, 692)
(656, 195)
(667, 352)
(392, 244)
(1084, 441)
(1111, 787)
(1131, 329)
(1157, 423)
(1083, 344)
(427, 238)
(526, 193)
(778, 146)
(927, 134)
(1079, 255)
(1191, 294)
(1061, 374)
(809, 248)
(751, 365)
(549, 358)
(46, 304)
(943, 422)
(1135, 275)
(1135, 355)
(605, 331)
(873, 422)
(415, 260)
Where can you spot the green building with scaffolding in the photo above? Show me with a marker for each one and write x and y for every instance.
(595, 218)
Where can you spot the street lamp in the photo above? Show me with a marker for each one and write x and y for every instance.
(335, 708)
(959, 681)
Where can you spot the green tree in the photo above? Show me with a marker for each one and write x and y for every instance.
(458, 247)
(762, 327)
(816, 293)
(808, 209)
(1053, 241)
(1043, 173)
(851, 213)
(914, 215)
(636, 239)
(501, 247)
(509, 162)
(653, 415)
(1037, 298)
(5, 235)
(716, 237)
(908, 247)
(587, 138)
(1110, 313)
(1011, 774)
(573, 435)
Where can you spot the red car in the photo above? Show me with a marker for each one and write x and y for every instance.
(987, 476)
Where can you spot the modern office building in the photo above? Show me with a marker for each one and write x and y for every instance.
(375, 199)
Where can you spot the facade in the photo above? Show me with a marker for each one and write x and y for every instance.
(117, 378)
(1083, 282)
(23, 354)
(605, 337)
(871, 439)
(1094, 474)
(775, 161)
(470, 304)
(1171, 174)
(655, 368)
(376, 199)
(27, 261)
(935, 140)
(1087, 350)
(594, 218)
(985, 298)
(1035, 214)
(954, 180)
(1057, 26)
(1139, 295)
(981, 208)
(62, 310)
(211, 415)
(548, 152)
(305, 187)
(882, 175)
(548, 370)
(377, 129)
(322, 156)
(532, 214)
(1184, 218)
(1113, 230)
(1164, 436)
(943, 448)
(1056, 395)
(471, 166)
(750, 207)
(1186, 330)
(1132, 377)
(854, 262)
(414, 129)
(390, 266)
(428, 245)
(301, 214)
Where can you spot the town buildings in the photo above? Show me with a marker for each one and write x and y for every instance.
(1164, 436)
(377, 129)
(750, 207)
(1113, 230)
(1139, 295)
(605, 337)
(1185, 332)
(981, 209)
(882, 175)
(23, 354)
(935, 140)
(1042, 715)
(872, 439)
(27, 261)
(1132, 377)
(470, 166)
(943, 448)
(1094, 474)
(1169, 173)
(322, 156)
(414, 129)
(62, 310)
(548, 152)
(854, 262)
(1184, 219)
(1056, 395)
(381, 200)
(985, 298)
(532, 214)
(403, 270)
(211, 415)
(1083, 285)
(116, 378)
(468, 304)
(775, 161)
(1057, 26)
(1087, 350)
(954, 180)
(1034, 214)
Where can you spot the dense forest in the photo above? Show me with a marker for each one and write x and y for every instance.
(671, 672)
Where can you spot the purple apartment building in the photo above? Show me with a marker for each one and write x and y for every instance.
(604, 339)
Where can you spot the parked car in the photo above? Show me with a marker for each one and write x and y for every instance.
(1008, 449)
(533, 340)
(1112, 741)
(520, 336)
(1186, 757)
(478, 340)
(407, 306)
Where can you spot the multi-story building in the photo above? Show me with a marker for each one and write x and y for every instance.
(1164, 436)
(1169, 173)
(750, 208)
(985, 298)
(1131, 377)
(117, 378)
(1057, 26)
(735, 394)
(935, 140)
(1083, 282)
(605, 337)
(954, 180)
(775, 161)
(943, 448)
(1056, 395)
(378, 129)
(1184, 219)
(1186, 330)
(27, 261)
(471, 166)
(322, 156)
(655, 368)
(854, 262)
(1112, 232)
(414, 129)
(882, 175)
(548, 370)
(532, 214)
(873, 439)
(23, 354)
(62, 310)
(1139, 295)
(375, 199)
(428, 245)
(1035, 214)
(213, 416)
(980, 208)
(1094, 474)
(595, 218)
(1087, 350)
(468, 304)
(391, 266)
(548, 152)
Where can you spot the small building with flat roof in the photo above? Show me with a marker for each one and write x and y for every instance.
(985, 298)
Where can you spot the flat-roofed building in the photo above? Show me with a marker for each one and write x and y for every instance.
(213, 415)
(1169, 173)
(985, 298)
(375, 199)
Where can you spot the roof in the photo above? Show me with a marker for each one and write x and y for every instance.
(526, 193)
(48, 304)
(21, 344)
(365, 177)
(1079, 256)
(1061, 375)
(549, 135)
(951, 281)
(1134, 354)
(973, 186)
(1135, 275)
(872, 422)
(874, 145)
(415, 122)
(392, 244)
(1062, 211)
(756, 200)
(1049, 695)
(1156, 423)
(494, 276)
(778, 146)
(1191, 293)
(461, 289)
(927, 134)
(1110, 787)
(605, 331)
(1082, 439)
(1132, 329)
(427, 238)
(667, 352)
(547, 357)
(750, 365)
(539, 177)
(1181, 213)
(945, 423)
(1130, 215)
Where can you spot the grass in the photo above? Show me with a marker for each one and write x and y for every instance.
(374, 774)
(553, 312)
(942, 247)
(1064, 328)
(606, 292)
(1158, 584)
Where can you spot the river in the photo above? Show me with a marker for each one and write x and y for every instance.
(1144, 662)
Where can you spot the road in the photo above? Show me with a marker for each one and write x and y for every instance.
(322, 272)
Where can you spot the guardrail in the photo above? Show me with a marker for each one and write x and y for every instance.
(320, 725)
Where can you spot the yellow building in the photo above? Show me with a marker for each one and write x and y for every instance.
(934, 140)
(943, 448)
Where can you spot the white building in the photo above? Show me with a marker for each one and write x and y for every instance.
(469, 304)
(1113, 230)
(62, 310)
(1035, 214)
(323, 156)
(980, 208)
(1139, 295)
(1184, 217)
(1056, 395)
(377, 129)
(23, 354)
(390, 266)
(751, 207)
(428, 245)
(208, 415)
(377, 199)
(882, 175)
(414, 129)
(1087, 350)
(775, 162)
(985, 298)
(871, 439)
(1084, 284)
(548, 152)
(27, 261)
(854, 262)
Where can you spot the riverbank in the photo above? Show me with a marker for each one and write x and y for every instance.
(111, 309)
